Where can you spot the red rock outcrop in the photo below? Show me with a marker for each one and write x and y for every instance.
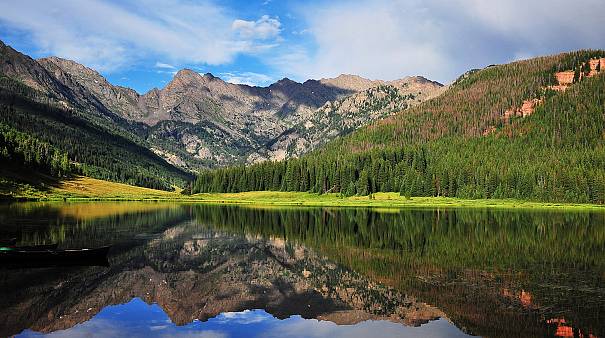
(565, 78)
(527, 108)
(596, 66)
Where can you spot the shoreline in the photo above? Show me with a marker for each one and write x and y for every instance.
(305, 199)
(86, 189)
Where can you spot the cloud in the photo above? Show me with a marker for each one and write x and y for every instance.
(244, 317)
(247, 78)
(107, 36)
(263, 29)
(389, 39)
(380, 39)
(312, 328)
(301, 32)
(197, 334)
(164, 65)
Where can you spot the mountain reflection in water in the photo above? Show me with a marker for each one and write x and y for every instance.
(137, 319)
(308, 272)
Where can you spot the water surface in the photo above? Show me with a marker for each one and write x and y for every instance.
(229, 271)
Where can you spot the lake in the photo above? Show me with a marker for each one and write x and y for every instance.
(183, 270)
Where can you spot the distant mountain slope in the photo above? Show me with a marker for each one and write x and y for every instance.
(201, 121)
(341, 117)
(531, 129)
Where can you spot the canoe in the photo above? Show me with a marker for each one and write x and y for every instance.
(8, 242)
(41, 247)
(45, 258)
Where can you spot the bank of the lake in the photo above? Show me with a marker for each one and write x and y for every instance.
(377, 200)
(89, 189)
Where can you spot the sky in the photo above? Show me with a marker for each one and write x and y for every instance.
(141, 44)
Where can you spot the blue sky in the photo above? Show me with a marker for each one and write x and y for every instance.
(140, 44)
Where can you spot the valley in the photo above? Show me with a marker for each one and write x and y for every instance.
(477, 138)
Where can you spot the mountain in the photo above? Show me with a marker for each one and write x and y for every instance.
(336, 118)
(51, 125)
(201, 121)
(532, 129)
(195, 122)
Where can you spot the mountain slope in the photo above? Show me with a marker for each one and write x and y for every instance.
(200, 121)
(60, 130)
(341, 117)
(508, 131)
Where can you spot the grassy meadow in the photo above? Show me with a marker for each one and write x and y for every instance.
(82, 188)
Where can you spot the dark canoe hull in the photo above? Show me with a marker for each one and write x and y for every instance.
(46, 258)
(8, 242)
(42, 247)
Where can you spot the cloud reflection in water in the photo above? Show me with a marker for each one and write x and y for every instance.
(138, 319)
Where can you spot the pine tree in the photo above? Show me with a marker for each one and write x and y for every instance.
(363, 184)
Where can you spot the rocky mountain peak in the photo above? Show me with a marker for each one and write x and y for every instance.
(25, 69)
(185, 78)
(285, 82)
(210, 76)
(349, 82)
(423, 80)
(350, 77)
(187, 74)
(72, 67)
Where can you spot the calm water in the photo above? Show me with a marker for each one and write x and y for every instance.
(227, 271)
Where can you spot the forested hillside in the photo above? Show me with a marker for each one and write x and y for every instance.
(39, 133)
(501, 132)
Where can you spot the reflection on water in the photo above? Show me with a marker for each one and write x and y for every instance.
(308, 272)
(138, 319)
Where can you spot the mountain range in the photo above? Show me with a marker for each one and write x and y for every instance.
(200, 121)
(530, 129)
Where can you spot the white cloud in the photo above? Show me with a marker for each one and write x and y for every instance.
(108, 36)
(389, 39)
(197, 334)
(312, 328)
(244, 317)
(384, 39)
(302, 31)
(247, 78)
(264, 28)
(162, 65)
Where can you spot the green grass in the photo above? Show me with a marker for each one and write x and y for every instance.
(77, 188)
(90, 189)
(380, 200)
